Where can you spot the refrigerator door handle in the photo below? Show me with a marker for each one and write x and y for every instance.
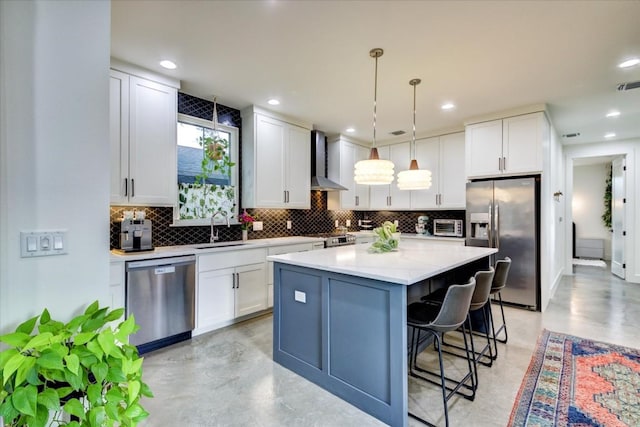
(497, 233)
(490, 225)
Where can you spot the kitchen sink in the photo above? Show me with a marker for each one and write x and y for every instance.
(221, 245)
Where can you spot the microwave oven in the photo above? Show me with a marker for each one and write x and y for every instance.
(447, 227)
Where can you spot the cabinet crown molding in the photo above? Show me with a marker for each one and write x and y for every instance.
(535, 108)
(127, 67)
(254, 109)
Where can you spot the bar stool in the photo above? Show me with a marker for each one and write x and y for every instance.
(484, 280)
(499, 282)
(435, 321)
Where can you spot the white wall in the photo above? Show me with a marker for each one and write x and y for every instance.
(552, 219)
(54, 154)
(589, 184)
(631, 150)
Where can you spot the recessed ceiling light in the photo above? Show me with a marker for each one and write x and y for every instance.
(169, 65)
(609, 135)
(273, 101)
(448, 106)
(629, 63)
(613, 114)
(350, 130)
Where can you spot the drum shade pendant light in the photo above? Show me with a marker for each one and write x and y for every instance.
(374, 171)
(414, 178)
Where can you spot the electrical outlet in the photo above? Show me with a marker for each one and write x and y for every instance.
(395, 221)
(289, 224)
(337, 223)
(257, 226)
(348, 223)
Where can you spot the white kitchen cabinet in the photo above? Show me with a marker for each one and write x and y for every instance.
(116, 284)
(441, 155)
(276, 156)
(143, 116)
(342, 155)
(509, 146)
(279, 250)
(390, 197)
(230, 285)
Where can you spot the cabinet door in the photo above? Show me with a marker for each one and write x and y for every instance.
(522, 143)
(453, 183)
(400, 155)
(270, 162)
(251, 289)
(119, 135)
(483, 149)
(379, 194)
(428, 155)
(347, 161)
(298, 171)
(152, 143)
(215, 301)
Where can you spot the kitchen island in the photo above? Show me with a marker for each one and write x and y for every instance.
(339, 317)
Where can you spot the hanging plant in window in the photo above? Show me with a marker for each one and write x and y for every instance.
(606, 216)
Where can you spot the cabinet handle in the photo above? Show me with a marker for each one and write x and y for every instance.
(237, 280)
(133, 191)
(287, 196)
(284, 196)
(357, 200)
(504, 163)
(499, 163)
(126, 187)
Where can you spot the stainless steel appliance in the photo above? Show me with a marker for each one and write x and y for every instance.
(160, 293)
(135, 235)
(336, 239)
(421, 226)
(447, 227)
(504, 214)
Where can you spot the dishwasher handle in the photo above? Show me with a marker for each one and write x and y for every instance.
(160, 262)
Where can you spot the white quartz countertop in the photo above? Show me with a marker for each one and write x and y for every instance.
(203, 248)
(414, 261)
(413, 236)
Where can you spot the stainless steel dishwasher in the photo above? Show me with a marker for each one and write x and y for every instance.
(160, 293)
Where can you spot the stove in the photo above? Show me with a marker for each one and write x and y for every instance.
(336, 239)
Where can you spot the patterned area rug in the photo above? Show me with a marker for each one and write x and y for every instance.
(573, 381)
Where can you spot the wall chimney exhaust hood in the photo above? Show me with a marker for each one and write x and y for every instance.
(319, 180)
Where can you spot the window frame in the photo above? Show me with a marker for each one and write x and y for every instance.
(234, 143)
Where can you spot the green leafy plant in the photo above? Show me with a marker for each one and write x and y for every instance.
(387, 240)
(606, 216)
(215, 158)
(83, 370)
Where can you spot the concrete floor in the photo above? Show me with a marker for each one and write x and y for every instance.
(227, 377)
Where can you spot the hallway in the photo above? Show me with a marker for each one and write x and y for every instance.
(227, 377)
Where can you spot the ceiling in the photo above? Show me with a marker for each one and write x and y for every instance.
(486, 57)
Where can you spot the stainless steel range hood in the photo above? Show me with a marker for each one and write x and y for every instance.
(319, 180)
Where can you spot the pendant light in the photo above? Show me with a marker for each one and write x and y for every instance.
(374, 171)
(414, 178)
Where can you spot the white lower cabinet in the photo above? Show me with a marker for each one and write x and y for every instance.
(116, 284)
(230, 285)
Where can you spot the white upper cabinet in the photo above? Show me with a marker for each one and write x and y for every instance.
(342, 155)
(143, 115)
(276, 161)
(510, 146)
(443, 156)
(390, 197)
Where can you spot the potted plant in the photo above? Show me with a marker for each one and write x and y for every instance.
(80, 373)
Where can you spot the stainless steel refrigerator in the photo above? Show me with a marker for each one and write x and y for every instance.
(504, 214)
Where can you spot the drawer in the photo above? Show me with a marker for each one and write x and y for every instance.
(231, 259)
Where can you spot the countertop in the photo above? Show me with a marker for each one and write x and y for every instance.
(171, 251)
(412, 236)
(414, 261)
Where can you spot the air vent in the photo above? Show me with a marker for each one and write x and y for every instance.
(571, 135)
(398, 132)
(628, 86)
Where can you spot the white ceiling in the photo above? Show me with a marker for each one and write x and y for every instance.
(484, 56)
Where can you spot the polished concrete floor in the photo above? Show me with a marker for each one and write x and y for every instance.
(227, 377)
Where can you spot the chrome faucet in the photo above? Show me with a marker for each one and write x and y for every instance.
(214, 236)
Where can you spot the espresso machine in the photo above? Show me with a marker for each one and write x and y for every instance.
(135, 235)
(421, 226)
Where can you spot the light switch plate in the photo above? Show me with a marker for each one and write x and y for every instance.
(289, 224)
(43, 243)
